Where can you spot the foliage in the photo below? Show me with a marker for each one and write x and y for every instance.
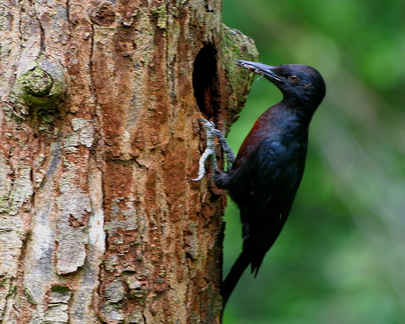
(340, 258)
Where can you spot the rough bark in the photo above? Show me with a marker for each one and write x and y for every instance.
(99, 222)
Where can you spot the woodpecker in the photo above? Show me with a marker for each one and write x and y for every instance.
(264, 177)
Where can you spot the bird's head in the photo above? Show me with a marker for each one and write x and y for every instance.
(300, 83)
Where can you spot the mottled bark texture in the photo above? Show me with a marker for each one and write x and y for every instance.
(99, 222)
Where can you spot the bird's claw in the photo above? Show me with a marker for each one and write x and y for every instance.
(209, 153)
(209, 150)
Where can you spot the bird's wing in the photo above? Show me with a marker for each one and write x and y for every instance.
(274, 176)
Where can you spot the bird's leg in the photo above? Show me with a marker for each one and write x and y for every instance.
(230, 156)
(209, 152)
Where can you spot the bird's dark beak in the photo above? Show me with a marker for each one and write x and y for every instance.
(259, 68)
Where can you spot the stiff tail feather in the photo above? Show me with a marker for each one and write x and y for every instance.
(229, 284)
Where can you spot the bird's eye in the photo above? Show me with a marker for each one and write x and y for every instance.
(293, 77)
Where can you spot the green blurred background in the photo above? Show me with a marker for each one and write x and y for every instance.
(341, 257)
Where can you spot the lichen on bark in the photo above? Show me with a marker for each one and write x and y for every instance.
(39, 88)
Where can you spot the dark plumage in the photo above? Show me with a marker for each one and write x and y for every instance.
(268, 169)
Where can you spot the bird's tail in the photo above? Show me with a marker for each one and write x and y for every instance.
(228, 285)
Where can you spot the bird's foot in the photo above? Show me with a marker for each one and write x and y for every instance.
(230, 156)
(209, 153)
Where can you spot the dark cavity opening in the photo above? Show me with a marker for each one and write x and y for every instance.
(205, 81)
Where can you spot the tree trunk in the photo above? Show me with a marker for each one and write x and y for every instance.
(99, 221)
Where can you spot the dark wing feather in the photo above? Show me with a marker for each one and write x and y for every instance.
(264, 188)
(274, 176)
